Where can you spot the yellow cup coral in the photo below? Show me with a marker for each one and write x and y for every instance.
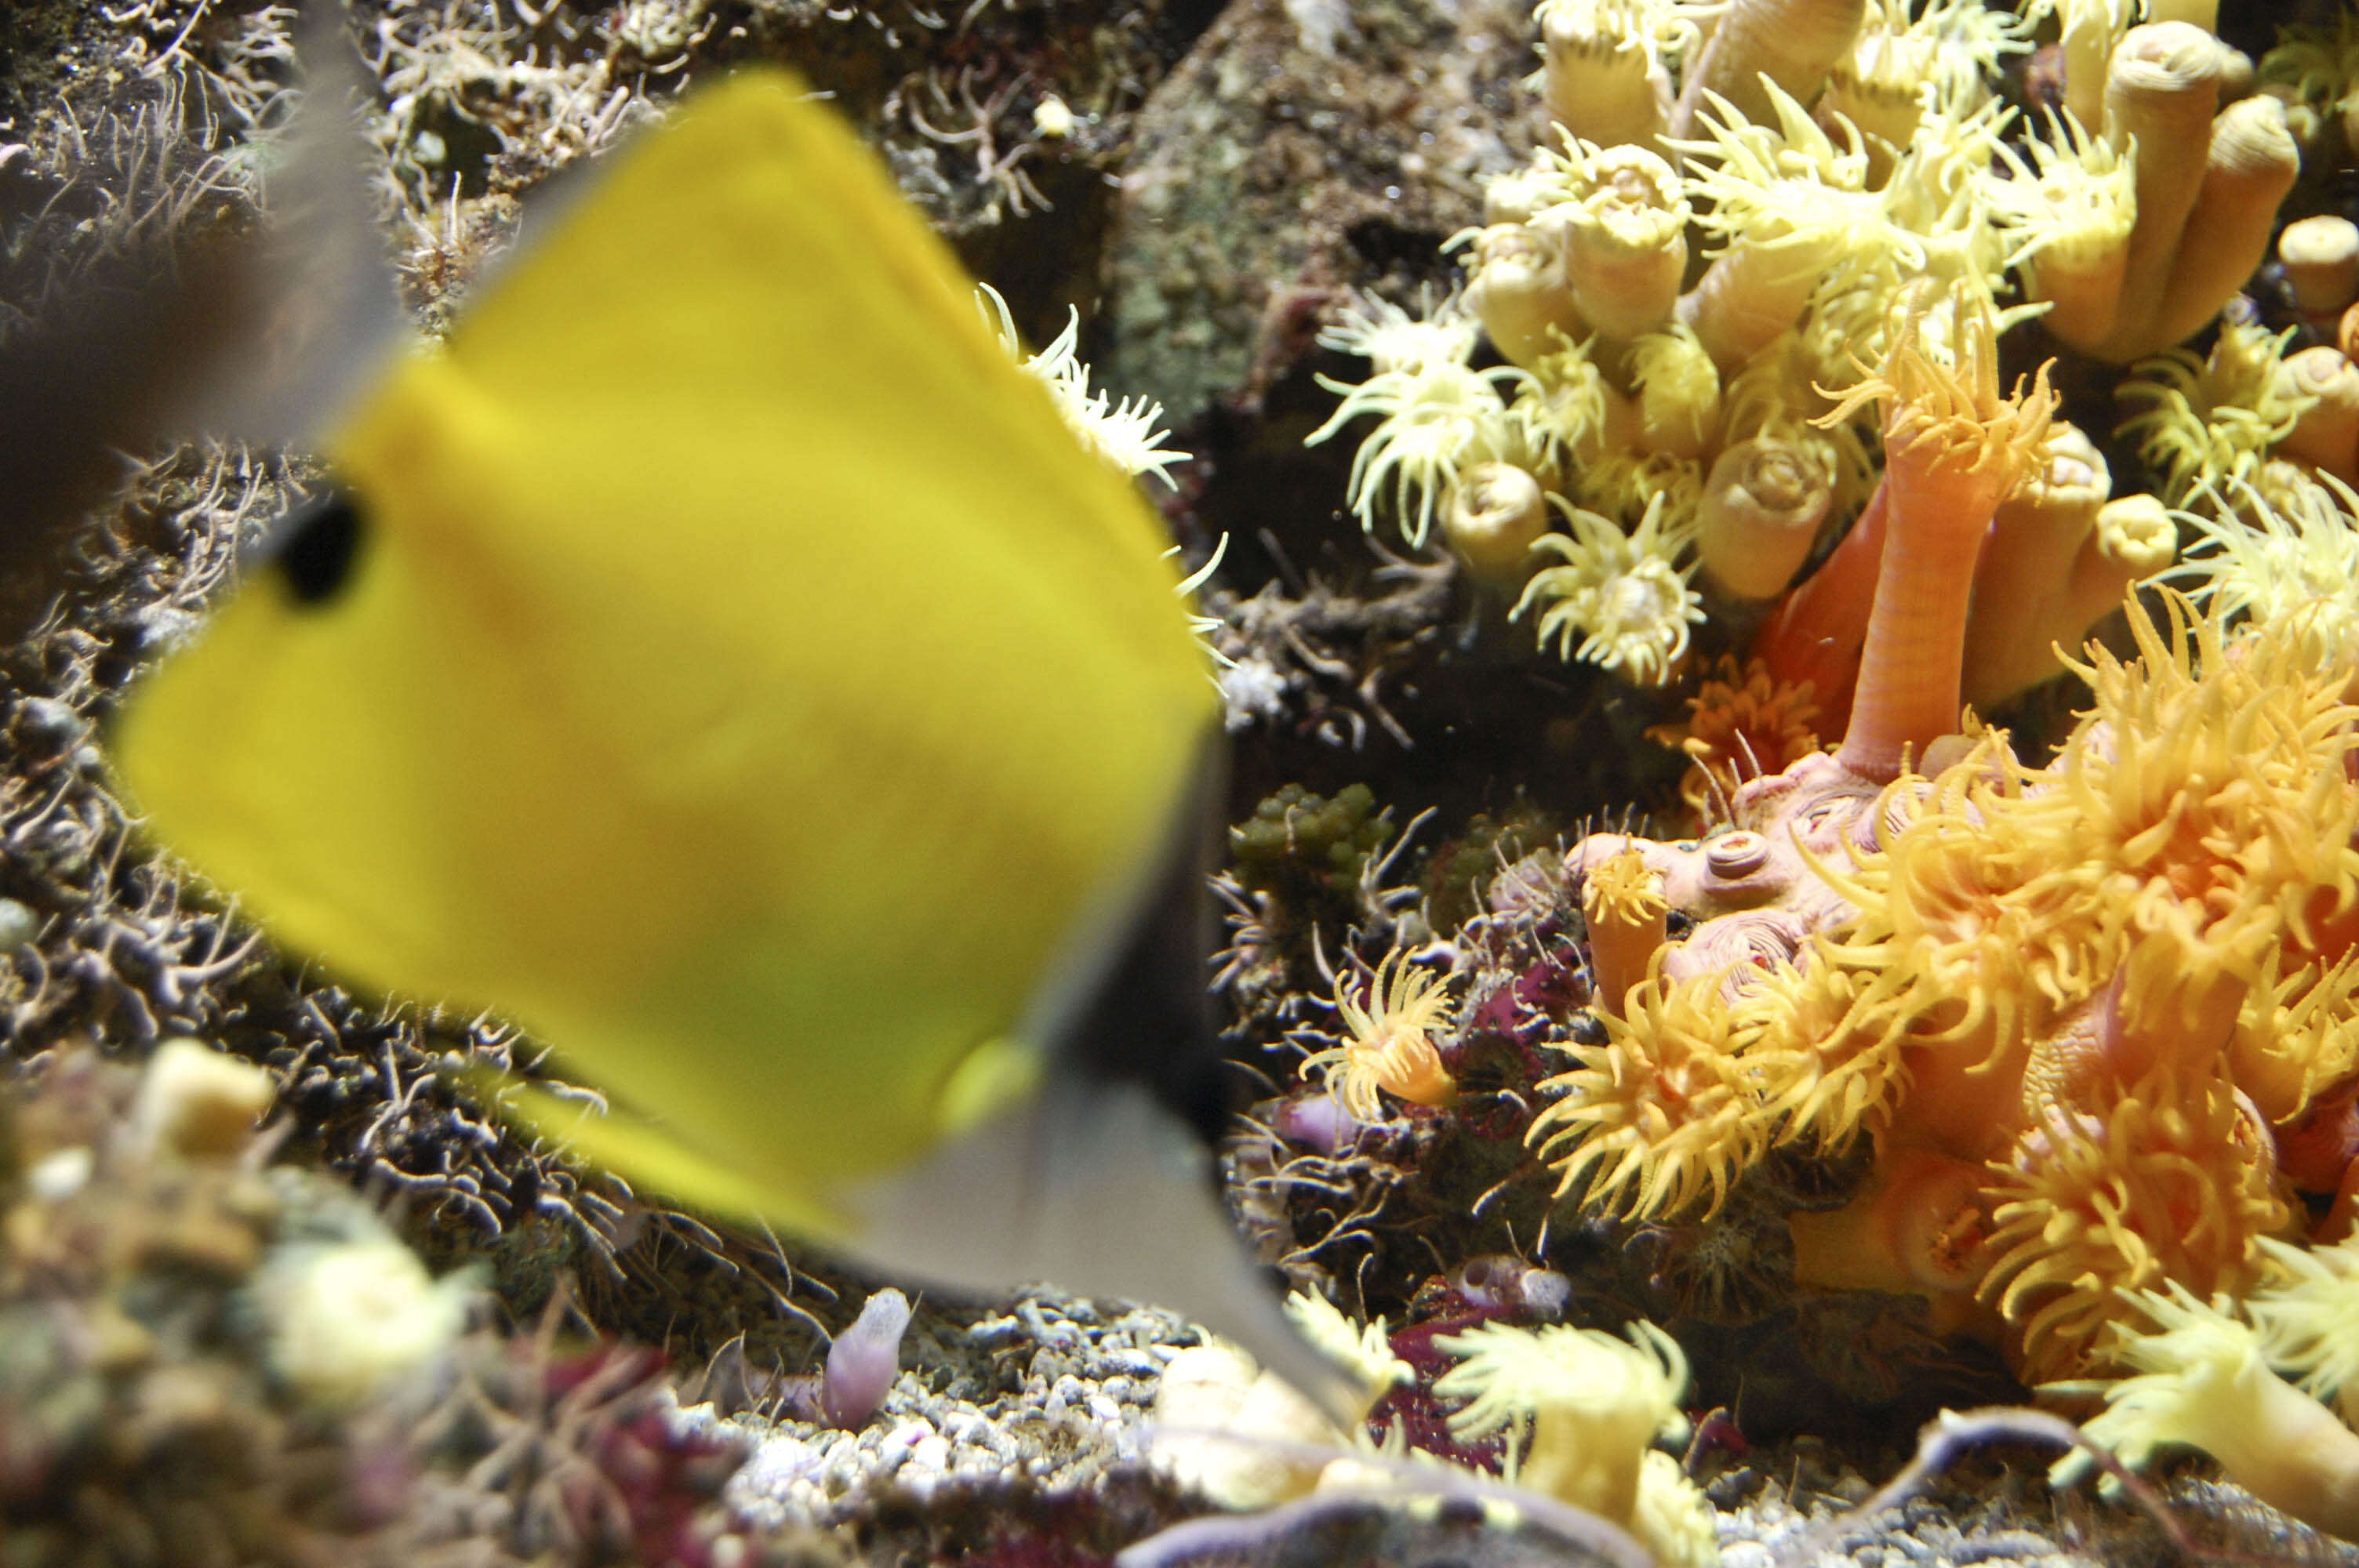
(1388, 1043)
(1495, 516)
(2200, 1379)
(1660, 1117)
(1762, 507)
(2166, 1180)
(1588, 1407)
(1437, 418)
(1623, 903)
(1624, 226)
(1626, 596)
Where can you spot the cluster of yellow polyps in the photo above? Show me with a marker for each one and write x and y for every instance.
(1836, 154)
(2074, 1006)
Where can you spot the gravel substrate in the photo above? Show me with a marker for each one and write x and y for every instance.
(1087, 1388)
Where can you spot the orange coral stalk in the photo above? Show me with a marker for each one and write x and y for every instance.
(1816, 635)
(1953, 447)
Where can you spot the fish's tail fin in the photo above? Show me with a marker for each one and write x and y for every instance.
(1094, 1187)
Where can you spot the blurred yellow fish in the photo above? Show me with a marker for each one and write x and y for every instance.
(721, 659)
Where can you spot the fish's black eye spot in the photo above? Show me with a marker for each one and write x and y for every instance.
(321, 543)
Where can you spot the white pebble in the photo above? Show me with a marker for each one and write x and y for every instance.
(776, 1460)
(898, 1443)
(62, 1175)
(994, 1331)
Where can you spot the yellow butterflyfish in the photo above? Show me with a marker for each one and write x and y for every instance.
(720, 658)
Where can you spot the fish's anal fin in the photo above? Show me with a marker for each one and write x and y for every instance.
(650, 1157)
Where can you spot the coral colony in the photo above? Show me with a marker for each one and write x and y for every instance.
(2078, 1015)
(1933, 426)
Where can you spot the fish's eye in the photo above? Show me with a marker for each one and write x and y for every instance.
(317, 547)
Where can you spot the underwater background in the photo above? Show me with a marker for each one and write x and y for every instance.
(1697, 965)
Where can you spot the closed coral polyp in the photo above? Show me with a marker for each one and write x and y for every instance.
(1624, 237)
(1762, 506)
(1495, 516)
